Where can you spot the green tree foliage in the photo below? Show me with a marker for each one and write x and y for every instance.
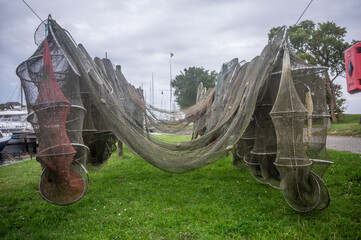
(322, 44)
(186, 84)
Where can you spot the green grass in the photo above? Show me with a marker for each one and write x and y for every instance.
(174, 138)
(348, 127)
(130, 199)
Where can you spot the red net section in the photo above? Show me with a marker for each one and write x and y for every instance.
(59, 183)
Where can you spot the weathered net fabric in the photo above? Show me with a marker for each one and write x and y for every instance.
(241, 151)
(202, 117)
(302, 188)
(173, 157)
(56, 126)
(300, 120)
(235, 115)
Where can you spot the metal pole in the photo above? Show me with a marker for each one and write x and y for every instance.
(150, 93)
(21, 96)
(152, 90)
(170, 84)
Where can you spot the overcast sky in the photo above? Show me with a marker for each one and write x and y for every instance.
(139, 35)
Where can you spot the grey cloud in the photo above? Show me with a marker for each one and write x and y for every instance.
(139, 35)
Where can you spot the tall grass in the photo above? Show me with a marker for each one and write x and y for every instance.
(130, 199)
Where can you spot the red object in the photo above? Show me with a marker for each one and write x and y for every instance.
(353, 68)
(51, 107)
(59, 183)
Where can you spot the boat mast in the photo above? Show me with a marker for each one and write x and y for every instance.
(21, 96)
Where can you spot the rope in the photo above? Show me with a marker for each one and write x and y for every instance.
(32, 11)
(303, 12)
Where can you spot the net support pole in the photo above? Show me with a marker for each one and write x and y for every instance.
(120, 148)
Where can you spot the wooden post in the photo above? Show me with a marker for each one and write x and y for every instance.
(120, 148)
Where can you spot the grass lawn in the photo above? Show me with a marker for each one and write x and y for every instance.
(348, 127)
(130, 199)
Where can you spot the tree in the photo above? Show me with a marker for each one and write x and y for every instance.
(322, 44)
(186, 84)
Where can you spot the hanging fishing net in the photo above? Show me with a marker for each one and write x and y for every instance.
(269, 112)
(56, 123)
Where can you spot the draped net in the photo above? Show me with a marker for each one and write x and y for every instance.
(270, 113)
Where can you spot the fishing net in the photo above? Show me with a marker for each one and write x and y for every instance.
(57, 124)
(275, 125)
(293, 119)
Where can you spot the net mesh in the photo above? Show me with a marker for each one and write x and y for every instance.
(270, 112)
